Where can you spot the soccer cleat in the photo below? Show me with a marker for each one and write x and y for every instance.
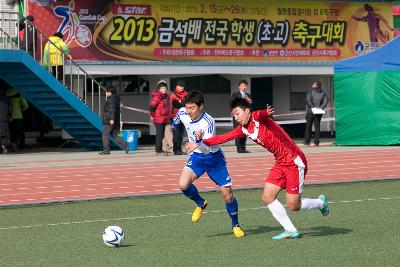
(238, 231)
(325, 209)
(287, 235)
(198, 211)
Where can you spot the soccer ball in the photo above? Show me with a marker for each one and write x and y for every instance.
(113, 236)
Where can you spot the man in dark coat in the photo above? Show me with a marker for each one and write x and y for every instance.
(316, 102)
(111, 121)
(241, 142)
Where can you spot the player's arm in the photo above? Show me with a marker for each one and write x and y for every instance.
(177, 119)
(208, 130)
(204, 142)
(223, 138)
(264, 114)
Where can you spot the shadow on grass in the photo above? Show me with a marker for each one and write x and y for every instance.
(127, 246)
(262, 229)
(314, 231)
(252, 231)
(325, 231)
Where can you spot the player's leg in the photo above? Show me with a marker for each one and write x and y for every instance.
(232, 208)
(278, 211)
(295, 176)
(218, 172)
(189, 174)
(276, 181)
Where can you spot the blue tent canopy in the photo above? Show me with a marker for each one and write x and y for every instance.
(385, 58)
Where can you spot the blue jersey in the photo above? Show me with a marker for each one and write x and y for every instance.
(205, 124)
(205, 159)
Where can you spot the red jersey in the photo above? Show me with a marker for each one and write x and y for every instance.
(267, 133)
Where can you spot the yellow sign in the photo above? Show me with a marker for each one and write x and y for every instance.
(242, 31)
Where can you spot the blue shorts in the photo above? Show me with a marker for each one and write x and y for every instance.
(213, 164)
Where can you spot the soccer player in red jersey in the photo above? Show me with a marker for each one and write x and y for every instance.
(289, 170)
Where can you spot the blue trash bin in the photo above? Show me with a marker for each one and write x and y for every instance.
(131, 137)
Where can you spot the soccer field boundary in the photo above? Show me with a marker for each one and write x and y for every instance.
(118, 196)
(111, 179)
(171, 215)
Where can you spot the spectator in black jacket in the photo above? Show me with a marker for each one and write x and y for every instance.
(316, 102)
(241, 142)
(111, 121)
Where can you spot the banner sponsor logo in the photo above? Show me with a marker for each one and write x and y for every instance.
(250, 31)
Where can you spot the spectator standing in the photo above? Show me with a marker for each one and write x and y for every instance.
(53, 55)
(5, 114)
(176, 102)
(316, 102)
(17, 131)
(159, 111)
(111, 121)
(242, 93)
(28, 35)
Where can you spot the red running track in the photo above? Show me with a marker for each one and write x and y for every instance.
(93, 177)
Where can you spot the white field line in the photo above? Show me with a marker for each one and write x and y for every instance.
(168, 215)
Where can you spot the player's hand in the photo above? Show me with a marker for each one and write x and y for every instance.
(199, 135)
(270, 110)
(111, 122)
(190, 146)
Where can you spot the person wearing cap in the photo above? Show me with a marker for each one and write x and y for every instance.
(111, 121)
(159, 111)
(176, 102)
(53, 55)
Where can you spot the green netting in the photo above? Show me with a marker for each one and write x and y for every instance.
(367, 108)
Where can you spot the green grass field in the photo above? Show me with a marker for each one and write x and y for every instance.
(362, 230)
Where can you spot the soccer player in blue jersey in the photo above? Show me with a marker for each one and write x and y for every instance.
(204, 159)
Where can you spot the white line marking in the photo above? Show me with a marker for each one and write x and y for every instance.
(166, 215)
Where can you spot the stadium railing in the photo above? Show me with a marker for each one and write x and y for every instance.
(74, 77)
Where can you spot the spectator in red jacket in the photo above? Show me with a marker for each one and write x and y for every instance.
(176, 102)
(159, 111)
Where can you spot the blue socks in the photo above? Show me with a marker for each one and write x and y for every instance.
(193, 194)
(232, 209)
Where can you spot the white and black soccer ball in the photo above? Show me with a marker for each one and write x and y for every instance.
(113, 236)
